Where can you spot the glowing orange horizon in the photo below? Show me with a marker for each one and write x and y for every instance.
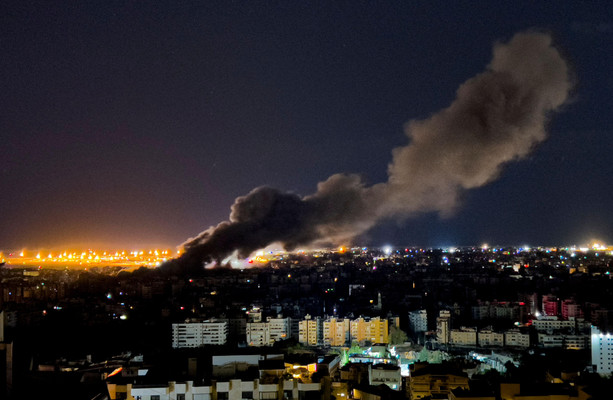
(88, 258)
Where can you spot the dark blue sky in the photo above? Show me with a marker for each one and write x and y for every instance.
(136, 124)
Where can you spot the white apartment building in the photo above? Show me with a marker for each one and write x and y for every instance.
(196, 334)
(571, 342)
(258, 334)
(280, 328)
(602, 351)
(514, 338)
(266, 333)
(553, 323)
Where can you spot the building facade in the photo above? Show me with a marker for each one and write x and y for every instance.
(196, 334)
(602, 351)
(418, 321)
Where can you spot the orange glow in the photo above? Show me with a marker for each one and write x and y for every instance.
(118, 370)
(102, 258)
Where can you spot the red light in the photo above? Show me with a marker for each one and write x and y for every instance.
(521, 303)
(118, 370)
(250, 261)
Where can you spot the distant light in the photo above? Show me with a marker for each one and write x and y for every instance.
(387, 250)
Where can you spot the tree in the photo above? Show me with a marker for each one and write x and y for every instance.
(344, 357)
(397, 335)
(355, 349)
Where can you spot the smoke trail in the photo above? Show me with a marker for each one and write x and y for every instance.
(497, 116)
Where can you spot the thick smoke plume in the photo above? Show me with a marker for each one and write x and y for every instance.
(497, 116)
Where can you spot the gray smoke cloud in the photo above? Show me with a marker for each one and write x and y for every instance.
(497, 117)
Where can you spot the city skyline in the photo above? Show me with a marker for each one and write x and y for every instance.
(138, 125)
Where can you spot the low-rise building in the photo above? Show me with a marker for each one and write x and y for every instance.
(435, 380)
(488, 338)
(514, 338)
(463, 337)
(385, 374)
(566, 341)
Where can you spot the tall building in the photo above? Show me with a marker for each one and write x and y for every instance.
(337, 332)
(443, 326)
(602, 351)
(550, 305)
(374, 330)
(196, 334)
(418, 321)
(310, 331)
(571, 309)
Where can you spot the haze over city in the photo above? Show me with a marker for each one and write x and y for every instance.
(130, 125)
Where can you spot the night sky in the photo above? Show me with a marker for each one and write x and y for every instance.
(138, 123)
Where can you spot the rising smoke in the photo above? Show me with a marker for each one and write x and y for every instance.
(497, 116)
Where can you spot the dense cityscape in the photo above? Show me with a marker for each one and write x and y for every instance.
(273, 200)
(478, 322)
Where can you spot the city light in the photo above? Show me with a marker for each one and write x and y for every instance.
(88, 258)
